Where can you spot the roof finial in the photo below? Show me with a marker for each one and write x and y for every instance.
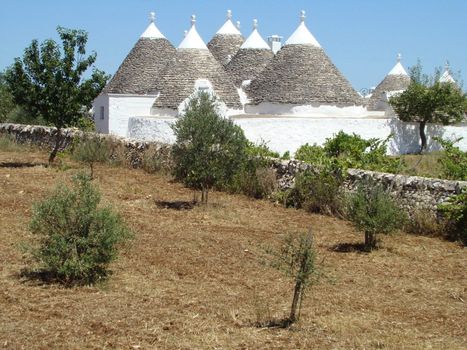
(446, 66)
(399, 57)
(302, 16)
(255, 24)
(193, 20)
(229, 14)
(152, 16)
(238, 25)
(185, 32)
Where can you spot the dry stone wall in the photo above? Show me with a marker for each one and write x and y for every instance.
(44, 137)
(411, 191)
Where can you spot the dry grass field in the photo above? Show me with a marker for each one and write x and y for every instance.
(196, 279)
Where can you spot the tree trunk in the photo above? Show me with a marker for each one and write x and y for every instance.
(296, 298)
(370, 241)
(58, 142)
(423, 137)
(204, 195)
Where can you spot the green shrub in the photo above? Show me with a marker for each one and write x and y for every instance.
(92, 149)
(260, 150)
(77, 239)
(86, 123)
(455, 210)
(255, 178)
(318, 190)
(372, 210)
(209, 149)
(346, 146)
(312, 154)
(155, 159)
(453, 160)
(352, 151)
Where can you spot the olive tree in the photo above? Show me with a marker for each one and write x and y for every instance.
(209, 149)
(372, 210)
(48, 81)
(296, 257)
(92, 149)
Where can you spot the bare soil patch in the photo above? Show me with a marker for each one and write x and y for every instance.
(197, 279)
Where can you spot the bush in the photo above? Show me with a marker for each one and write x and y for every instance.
(260, 150)
(318, 190)
(255, 178)
(86, 123)
(77, 239)
(455, 210)
(92, 149)
(372, 210)
(155, 160)
(352, 151)
(312, 154)
(209, 149)
(453, 161)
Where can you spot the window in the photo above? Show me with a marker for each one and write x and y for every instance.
(102, 113)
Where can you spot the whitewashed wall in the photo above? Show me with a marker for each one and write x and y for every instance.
(151, 129)
(289, 133)
(318, 110)
(102, 125)
(118, 109)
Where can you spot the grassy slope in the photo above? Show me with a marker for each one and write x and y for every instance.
(195, 279)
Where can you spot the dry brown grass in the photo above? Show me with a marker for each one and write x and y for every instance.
(194, 279)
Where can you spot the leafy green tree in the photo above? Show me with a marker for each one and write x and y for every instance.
(48, 81)
(429, 101)
(372, 210)
(6, 99)
(77, 237)
(209, 149)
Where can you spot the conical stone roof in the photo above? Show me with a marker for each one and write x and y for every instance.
(248, 63)
(302, 74)
(397, 80)
(446, 77)
(194, 62)
(140, 69)
(226, 42)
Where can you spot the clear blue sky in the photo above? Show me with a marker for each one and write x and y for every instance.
(362, 37)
